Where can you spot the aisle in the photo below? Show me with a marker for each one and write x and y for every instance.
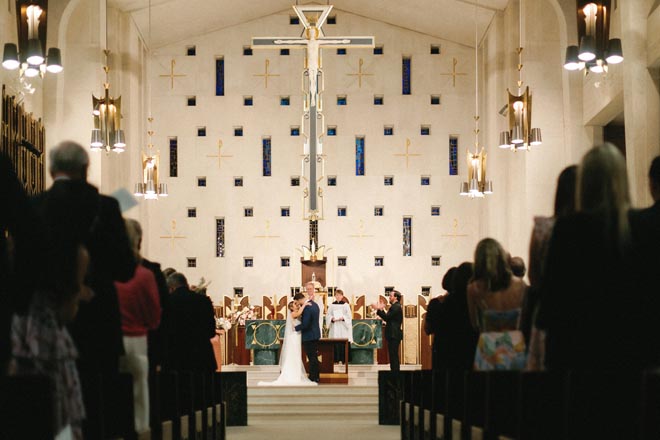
(331, 430)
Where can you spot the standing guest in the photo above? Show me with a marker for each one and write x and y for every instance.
(140, 313)
(96, 329)
(340, 323)
(460, 338)
(311, 332)
(518, 267)
(168, 271)
(495, 297)
(188, 324)
(434, 323)
(393, 331)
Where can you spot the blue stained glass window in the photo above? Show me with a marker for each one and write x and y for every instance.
(453, 156)
(341, 100)
(378, 211)
(201, 131)
(341, 51)
(248, 100)
(192, 212)
(248, 262)
(285, 261)
(388, 130)
(191, 51)
(192, 262)
(435, 260)
(378, 100)
(201, 181)
(247, 50)
(238, 181)
(359, 156)
(285, 211)
(295, 131)
(341, 261)
(284, 51)
(425, 130)
(435, 211)
(378, 50)
(406, 74)
(426, 180)
(220, 77)
(435, 49)
(192, 101)
(267, 158)
(388, 180)
(332, 180)
(332, 20)
(379, 261)
(293, 19)
(285, 100)
(341, 211)
(332, 131)
(295, 181)
(219, 237)
(248, 211)
(174, 154)
(407, 236)
(238, 131)
(435, 99)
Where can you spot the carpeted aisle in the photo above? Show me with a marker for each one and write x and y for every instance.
(316, 431)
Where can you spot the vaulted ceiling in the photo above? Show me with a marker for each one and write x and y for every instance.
(177, 20)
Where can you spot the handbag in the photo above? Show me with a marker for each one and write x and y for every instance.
(501, 346)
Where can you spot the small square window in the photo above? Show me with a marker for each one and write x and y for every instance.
(388, 130)
(247, 50)
(341, 261)
(284, 51)
(425, 130)
(379, 261)
(435, 260)
(378, 50)
(285, 261)
(341, 211)
(238, 291)
(285, 211)
(332, 20)
(341, 51)
(435, 49)
(379, 211)
(192, 212)
(192, 101)
(426, 180)
(332, 180)
(248, 101)
(295, 131)
(248, 211)
(341, 100)
(238, 131)
(435, 211)
(191, 51)
(248, 262)
(295, 181)
(192, 262)
(426, 290)
(201, 181)
(388, 180)
(332, 131)
(238, 181)
(201, 131)
(285, 100)
(293, 19)
(378, 100)
(435, 99)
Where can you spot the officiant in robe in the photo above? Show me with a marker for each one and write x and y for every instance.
(339, 322)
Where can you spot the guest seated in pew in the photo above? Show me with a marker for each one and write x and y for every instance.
(460, 337)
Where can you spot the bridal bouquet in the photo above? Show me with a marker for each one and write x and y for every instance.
(222, 324)
(240, 316)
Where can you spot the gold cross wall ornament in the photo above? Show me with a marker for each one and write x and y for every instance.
(453, 72)
(172, 235)
(219, 155)
(361, 235)
(267, 74)
(267, 235)
(454, 233)
(360, 73)
(172, 75)
(407, 154)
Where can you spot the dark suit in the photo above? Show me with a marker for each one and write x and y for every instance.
(189, 324)
(311, 333)
(393, 332)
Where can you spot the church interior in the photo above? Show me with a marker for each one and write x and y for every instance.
(367, 146)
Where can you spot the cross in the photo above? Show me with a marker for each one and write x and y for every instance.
(173, 235)
(172, 75)
(266, 74)
(312, 17)
(407, 154)
(360, 74)
(361, 235)
(454, 234)
(267, 236)
(219, 155)
(453, 72)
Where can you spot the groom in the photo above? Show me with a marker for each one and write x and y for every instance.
(311, 332)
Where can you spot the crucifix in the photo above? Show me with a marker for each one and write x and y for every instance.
(312, 17)
(360, 73)
(267, 236)
(407, 154)
(266, 74)
(172, 235)
(453, 72)
(361, 235)
(172, 75)
(219, 155)
(454, 233)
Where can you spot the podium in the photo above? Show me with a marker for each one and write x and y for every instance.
(327, 373)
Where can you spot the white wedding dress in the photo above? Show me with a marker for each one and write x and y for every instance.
(292, 370)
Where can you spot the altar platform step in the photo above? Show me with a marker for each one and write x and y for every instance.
(324, 403)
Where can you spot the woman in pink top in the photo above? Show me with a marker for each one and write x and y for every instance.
(140, 312)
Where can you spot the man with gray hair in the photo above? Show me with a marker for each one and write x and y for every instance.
(96, 329)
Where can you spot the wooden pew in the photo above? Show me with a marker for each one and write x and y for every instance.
(168, 383)
(416, 402)
(455, 404)
(118, 407)
(26, 408)
(502, 416)
(219, 407)
(406, 409)
(474, 409)
(542, 406)
(426, 405)
(650, 414)
(438, 405)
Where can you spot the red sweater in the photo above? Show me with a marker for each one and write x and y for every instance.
(139, 303)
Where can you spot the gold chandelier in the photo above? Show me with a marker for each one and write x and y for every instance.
(150, 188)
(107, 133)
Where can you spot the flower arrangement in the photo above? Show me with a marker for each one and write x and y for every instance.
(222, 323)
(240, 316)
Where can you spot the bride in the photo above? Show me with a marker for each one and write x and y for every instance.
(292, 370)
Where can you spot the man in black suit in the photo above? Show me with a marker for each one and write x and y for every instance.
(393, 332)
(311, 332)
(96, 329)
(188, 324)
